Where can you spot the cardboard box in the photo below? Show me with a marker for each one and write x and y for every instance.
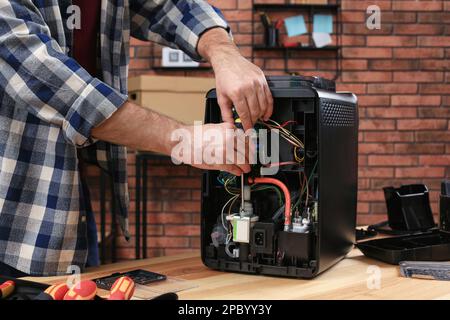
(182, 98)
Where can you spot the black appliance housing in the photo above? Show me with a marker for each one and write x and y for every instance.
(327, 122)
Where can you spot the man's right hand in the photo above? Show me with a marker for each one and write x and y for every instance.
(215, 147)
(143, 129)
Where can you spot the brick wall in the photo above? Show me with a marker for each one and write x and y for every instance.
(402, 78)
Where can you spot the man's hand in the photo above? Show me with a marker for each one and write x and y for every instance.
(143, 129)
(227, 148)
(239, 83)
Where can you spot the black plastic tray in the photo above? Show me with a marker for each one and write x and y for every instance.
(429, 246)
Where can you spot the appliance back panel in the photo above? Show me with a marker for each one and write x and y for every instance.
(335, 138)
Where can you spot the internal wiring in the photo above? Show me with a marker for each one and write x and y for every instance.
(223, 210)
(287, 195)
(305, 188)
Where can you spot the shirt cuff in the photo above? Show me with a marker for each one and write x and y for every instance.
(96, 103)
(215, 20)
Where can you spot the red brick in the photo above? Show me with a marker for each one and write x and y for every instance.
(356, 88)
(352, 16)
(358, 29)
(168, 242)
(244, 4)
(302, 64)
(411, 53)
(181, 206)
(373, 148)
(373, 100)
(433, 17)
(390, 136)
(366, 76)
(169, 218)
(362, 160)
(417, 5)
(379, 160)
(351, 41)
(139, 64)
(363, 207)
(432, 88)
(354, 64)
(433, 136)
(182, 230)
(274, 64)
(434, 64)
(391, 41)
(375, 124)
(372, 195)
(238, 15)
(368, 219)
(398, 88)
(398, 17)
(393, 64)
(169, 252)
(426, 41)
(435, 160)
(443, 113)
(418, 76)
(415, 100)
(418, 172)
(416, 29)
(362, 5)
(418, 148)
(375, 172)
(367, 52)
(421, 124)
(363, 183)
(391, 112)
(224, 4)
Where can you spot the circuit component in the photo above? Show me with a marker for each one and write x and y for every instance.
(242, 227)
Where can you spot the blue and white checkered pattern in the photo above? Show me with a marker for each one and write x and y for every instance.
(48, 107)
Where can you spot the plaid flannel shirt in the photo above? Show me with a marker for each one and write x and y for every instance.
(49, 105)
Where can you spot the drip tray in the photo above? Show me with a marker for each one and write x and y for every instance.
(431, 246)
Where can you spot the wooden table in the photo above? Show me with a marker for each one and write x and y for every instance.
(346, 280)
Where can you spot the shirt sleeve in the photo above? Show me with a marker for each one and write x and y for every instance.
(175, 23)
(38, 76)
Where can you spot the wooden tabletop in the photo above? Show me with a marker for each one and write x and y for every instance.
(353, 278)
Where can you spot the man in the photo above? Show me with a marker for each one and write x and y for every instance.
(60, 106)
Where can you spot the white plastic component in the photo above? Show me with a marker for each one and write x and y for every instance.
(172, 58)
(247, 193)
(242, 227)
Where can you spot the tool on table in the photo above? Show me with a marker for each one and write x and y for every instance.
(139, 276)
(7, 288)
(122, 289)
(84, 290)
(54, 292)
(409, 211)
(425, 270)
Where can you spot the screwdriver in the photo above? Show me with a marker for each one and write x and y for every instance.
(6, 289)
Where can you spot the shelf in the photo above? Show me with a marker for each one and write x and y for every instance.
(284, 7)
(327, 48)
(182, 68)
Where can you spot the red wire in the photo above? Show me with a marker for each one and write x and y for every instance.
(287, 122)
(287, 195)
(280, 164)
